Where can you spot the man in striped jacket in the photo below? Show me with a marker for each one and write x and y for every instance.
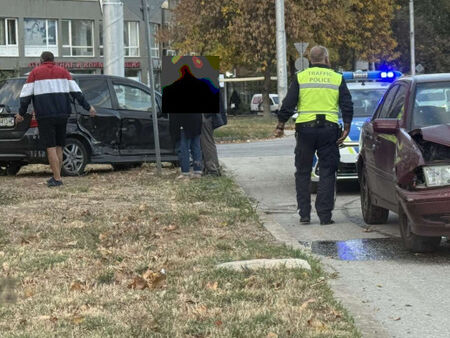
(49, 87)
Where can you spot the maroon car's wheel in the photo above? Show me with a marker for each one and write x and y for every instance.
(372, 214)
(413, 242)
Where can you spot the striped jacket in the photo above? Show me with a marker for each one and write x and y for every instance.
(49, 86)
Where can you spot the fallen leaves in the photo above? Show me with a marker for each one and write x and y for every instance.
(315, 323)
(28, 292)
(5, 267)
(149, 279)
(200, 310)
(77, 319)
(212, 286)
(28, 239)
(77, 286)
(170, 228)
(138, 283)
(306, 303)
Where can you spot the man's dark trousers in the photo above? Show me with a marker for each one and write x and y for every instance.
(323, 140)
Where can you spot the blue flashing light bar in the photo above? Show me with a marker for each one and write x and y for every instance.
(372, 75)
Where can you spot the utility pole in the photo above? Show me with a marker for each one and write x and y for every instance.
(113, 37)
(411, 33)
(149, 39)
(281, 50)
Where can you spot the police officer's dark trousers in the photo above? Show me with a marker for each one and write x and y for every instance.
(323, 140)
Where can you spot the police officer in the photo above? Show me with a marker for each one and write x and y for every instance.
(318, 93)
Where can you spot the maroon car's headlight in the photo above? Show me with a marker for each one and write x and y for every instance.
(436, 175)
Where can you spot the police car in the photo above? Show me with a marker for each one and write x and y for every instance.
(366, 88)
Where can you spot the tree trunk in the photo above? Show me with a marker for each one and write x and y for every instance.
(265, 93)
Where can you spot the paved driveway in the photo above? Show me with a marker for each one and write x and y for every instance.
(389, 291)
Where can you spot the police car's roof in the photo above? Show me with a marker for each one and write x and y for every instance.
(368, 85)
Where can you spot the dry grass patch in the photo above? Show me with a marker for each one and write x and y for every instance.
(248, 128)
(130, 254)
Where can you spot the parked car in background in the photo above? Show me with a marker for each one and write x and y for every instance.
(256, 104)
(121, 134)
(404, 160)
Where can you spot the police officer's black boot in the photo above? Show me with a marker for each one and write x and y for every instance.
(305, 220)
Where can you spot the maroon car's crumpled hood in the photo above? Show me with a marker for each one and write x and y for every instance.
(439, 133)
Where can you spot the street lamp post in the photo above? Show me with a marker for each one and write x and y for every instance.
(281, 50)
(149, 40)
(113, 37)
(411, 32)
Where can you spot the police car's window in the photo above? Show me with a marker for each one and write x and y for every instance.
(96, 92)
(431, 104)
(132, 98)
(389, 98)
(365, 101)
(398, 104)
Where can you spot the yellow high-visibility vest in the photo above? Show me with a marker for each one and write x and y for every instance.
(318, 94)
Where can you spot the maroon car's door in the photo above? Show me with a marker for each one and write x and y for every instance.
(371, 141)
(384, 150)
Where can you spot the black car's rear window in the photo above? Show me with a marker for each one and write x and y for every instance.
(10, 92)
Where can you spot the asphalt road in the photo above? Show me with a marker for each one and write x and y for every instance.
(389, 291)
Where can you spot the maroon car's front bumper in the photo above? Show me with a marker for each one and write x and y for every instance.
(428, 210)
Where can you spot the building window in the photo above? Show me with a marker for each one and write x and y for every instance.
(130, 38)
(40, 35)
(78, 38)
(155, 45)
(8, 37)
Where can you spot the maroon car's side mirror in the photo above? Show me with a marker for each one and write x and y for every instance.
(387, 126)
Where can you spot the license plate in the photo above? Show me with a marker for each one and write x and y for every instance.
(6, 121)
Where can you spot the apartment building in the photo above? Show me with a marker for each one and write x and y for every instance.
(72, 30)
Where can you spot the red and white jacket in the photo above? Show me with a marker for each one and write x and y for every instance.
(49, 86)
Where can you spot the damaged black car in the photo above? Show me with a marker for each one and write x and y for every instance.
(121, 134)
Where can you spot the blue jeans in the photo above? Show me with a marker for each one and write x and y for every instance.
(186, 147)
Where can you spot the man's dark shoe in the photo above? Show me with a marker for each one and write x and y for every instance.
(305, 220)
(54, 183)
(327, 222)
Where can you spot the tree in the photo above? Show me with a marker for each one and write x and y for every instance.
(242, 32)
(432, 39)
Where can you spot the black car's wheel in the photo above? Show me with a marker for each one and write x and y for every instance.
(372, 214)
(413, 242)
(13, 168)
(75, 158)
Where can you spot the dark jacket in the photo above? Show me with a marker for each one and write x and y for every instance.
(220, 119)
(291, 100)
(49, 87)
(191, 124)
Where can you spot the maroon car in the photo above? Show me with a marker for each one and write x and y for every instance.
(404, 160)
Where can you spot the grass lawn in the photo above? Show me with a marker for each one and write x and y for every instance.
(128, 254)
(244, 128)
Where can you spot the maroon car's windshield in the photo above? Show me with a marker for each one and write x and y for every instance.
(431, 104)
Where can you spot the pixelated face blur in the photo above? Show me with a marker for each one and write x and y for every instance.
(198, 63)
